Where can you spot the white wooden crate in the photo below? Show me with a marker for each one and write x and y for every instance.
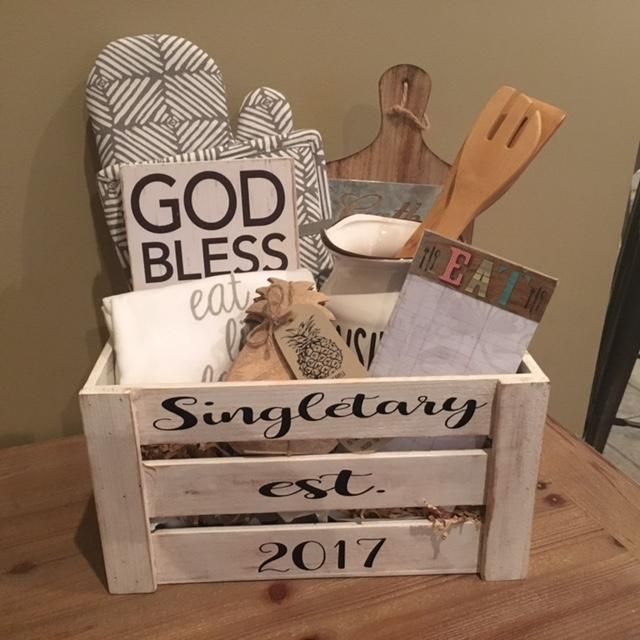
(510, 409)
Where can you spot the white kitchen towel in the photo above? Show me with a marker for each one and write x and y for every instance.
(183, 333)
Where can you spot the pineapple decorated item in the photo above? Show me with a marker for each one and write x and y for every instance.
(261, 358)
(321, 354)
(317, 357)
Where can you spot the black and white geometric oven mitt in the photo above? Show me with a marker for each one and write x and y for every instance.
(159, 98)
(265, 114)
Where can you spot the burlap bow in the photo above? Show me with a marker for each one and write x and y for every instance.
(277, 311)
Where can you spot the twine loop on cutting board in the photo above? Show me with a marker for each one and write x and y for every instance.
(421, 122)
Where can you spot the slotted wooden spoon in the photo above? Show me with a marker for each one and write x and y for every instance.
(552, 117)
(501, 143)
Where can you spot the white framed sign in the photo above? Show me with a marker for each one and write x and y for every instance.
(192, 220)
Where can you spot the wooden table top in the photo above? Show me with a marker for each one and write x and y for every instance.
(584, 580)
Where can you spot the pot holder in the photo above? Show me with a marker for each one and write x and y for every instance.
(312, 196)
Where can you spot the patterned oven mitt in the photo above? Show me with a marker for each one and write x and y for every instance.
(159, 98)
(266, 112)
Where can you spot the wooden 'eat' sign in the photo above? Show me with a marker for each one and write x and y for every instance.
(462, 310)
(191, 220)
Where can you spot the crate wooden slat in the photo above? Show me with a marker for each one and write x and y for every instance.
(512, 480)
(378, 480)
(244, 553)
(122, 512)
(510, 409)
(157, 424)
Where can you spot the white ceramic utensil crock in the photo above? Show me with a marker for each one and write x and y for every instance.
(366, 278)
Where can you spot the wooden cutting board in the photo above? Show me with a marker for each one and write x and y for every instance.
(399, 152)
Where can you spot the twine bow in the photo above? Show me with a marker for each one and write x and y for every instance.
(276, 313)
(401, 110)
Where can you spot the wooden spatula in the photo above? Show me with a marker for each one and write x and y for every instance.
(504, 157)
(502, 142)
(487, 123)
(552, 117)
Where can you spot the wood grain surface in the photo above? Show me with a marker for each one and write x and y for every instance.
(460, 267)
(398, 153)
(584, 576)
(390, 548)
(380, 480)
(227, 397)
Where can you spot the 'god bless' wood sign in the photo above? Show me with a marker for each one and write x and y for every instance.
(192, 220)
(462, 310)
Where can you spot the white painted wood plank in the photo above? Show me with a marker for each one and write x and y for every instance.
(533, 372)
(308, 409)
(103, 372)
(114, 454)
(225, 215)
(237, 553)
(321, 482)
(511, 479)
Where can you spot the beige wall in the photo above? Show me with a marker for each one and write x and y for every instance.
(562, 217)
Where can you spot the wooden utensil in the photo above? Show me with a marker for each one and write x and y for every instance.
(551, 117)
(514, 146)
(502, 141)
